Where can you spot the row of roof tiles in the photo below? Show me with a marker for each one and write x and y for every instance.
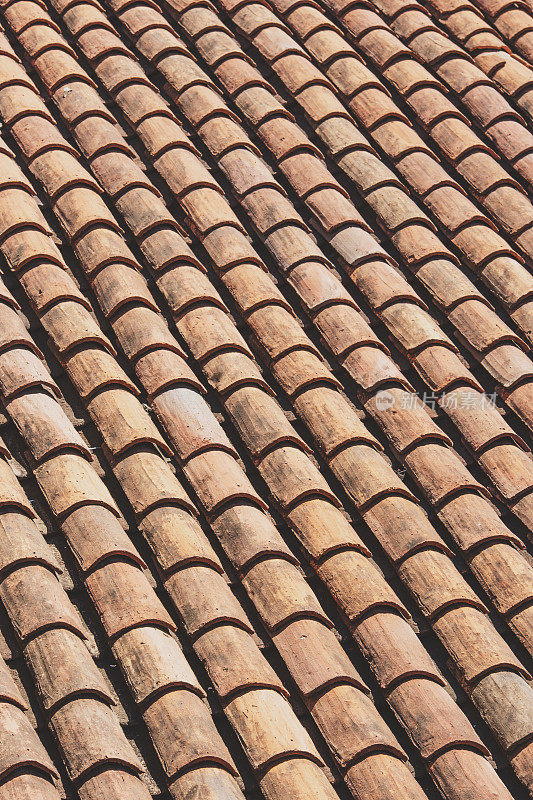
(465, 22)
(514, 21)
(413, 159)
(54, 476)
(373, 284)
(209, 459)
(289, 498)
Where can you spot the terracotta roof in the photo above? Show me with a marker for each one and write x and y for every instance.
(266, 492)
